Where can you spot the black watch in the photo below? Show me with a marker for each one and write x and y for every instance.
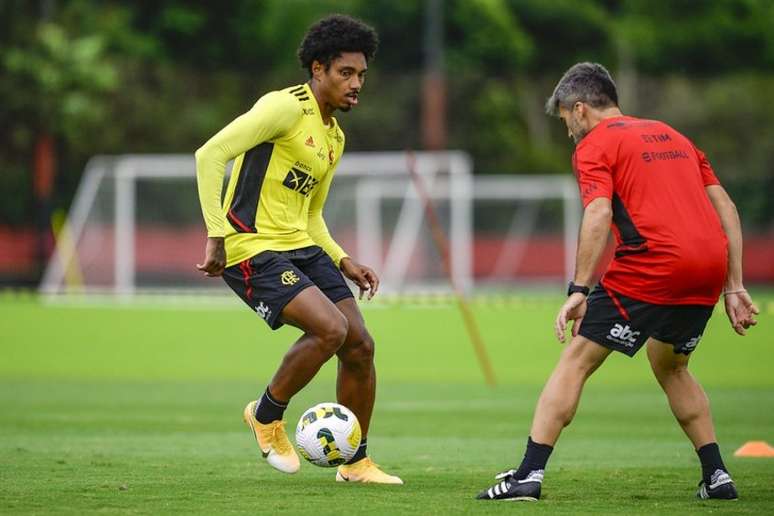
(572, 288)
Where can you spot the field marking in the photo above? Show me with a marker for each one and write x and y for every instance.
(198, 301)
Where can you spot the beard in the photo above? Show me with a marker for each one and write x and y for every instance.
(577, 131)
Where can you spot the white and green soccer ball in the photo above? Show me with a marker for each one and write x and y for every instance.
(328, 434)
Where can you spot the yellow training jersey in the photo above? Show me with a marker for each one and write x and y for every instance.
(284, 159)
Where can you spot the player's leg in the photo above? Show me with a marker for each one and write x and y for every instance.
(356, 379)
(356, 382)
(687, 399)
(559, 400)
(691, 408)
(555, 409)
(325, 329)
(611, 323)
(280, 293)
(356, 389)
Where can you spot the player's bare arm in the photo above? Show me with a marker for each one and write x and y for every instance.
(364, 277)
(214, 257)
(739, 305)
(595, 228)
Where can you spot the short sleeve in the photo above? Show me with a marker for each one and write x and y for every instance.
(708, 176)
(595, 177)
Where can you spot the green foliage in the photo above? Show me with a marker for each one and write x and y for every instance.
(60, 81)
(120, 76)
(702, 38)
(53, 82)
(488, 38)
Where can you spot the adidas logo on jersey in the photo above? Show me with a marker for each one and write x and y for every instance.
(310, 142)
(623, 335)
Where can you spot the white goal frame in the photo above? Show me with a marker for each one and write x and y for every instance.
(448, 176)
(372, 192)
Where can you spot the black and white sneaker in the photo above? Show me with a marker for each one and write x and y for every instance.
(513, 489)
(721, 487)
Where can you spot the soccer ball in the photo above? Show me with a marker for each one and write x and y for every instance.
(328, 434)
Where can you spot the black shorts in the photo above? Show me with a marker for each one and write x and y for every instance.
(270, 280)
(623, 324)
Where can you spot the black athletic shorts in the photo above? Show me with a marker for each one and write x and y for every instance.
(270, 280)
(623, 324)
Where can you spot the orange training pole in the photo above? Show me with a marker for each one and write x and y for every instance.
(441, 243)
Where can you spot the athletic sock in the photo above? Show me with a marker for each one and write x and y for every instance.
(535, 458)
(360, 454)
(269, 408)
(709, 455)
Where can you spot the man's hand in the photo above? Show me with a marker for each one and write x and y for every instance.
(214, 257)
(573, 310)
(740, 310)
(364, 277)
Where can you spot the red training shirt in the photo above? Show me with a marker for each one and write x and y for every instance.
(670, 246)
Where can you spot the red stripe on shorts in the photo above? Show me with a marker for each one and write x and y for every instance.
(246, 273)
(617, 303)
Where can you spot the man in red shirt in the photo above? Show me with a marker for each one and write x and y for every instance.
(678, 247)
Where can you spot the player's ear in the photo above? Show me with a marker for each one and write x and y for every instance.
(318, 69)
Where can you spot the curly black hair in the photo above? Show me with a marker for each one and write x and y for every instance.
(334, 34)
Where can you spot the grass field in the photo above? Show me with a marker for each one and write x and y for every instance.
(137, 410)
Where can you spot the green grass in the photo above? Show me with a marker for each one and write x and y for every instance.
(138, 410)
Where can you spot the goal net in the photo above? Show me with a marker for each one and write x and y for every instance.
(135, 225)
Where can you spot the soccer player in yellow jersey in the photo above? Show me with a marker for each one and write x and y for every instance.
(270, 243)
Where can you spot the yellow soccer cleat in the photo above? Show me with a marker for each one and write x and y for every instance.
(273, 441)
(367, 471)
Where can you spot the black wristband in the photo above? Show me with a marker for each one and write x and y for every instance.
(572, 288)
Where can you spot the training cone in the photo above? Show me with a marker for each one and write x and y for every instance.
(755, 449)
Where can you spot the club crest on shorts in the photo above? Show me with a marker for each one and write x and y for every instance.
(289, 278)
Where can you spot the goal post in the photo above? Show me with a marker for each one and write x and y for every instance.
(135, 225)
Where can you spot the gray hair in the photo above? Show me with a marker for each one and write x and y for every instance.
(590, 83)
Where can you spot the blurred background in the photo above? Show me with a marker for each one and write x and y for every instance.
(85, 78)
(131, 403)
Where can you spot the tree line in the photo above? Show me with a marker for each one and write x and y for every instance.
(85, 77)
